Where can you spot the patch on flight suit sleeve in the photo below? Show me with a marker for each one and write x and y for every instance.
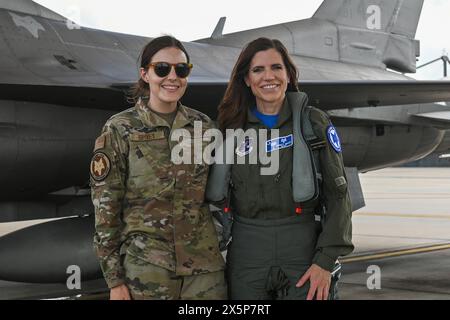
(333, 139)
(340, 181)
(100, 166)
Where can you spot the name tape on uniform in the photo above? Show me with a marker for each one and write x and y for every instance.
(147, 136)
(279, 143)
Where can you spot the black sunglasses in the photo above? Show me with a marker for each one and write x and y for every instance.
(162, 69)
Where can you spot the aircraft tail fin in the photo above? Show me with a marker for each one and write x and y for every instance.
(376, 31)
(391, 16)
(32, 8)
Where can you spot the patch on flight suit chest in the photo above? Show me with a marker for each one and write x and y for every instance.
(279, 143)
(245, 148)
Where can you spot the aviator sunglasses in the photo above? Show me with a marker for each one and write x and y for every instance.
(162, 69)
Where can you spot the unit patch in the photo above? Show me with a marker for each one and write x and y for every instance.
(340, 181)
(279, 143)
(245, 148)
(100, 166)
(333, 139)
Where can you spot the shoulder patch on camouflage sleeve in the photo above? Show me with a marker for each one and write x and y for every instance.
(100, 142)
(100, 166)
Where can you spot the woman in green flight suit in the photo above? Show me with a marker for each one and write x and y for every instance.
(279, 249)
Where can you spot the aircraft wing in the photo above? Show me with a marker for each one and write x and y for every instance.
(94, 97)
(354, 94)
(359, 94)
(205, 95)
(440, 118)
(335, 95)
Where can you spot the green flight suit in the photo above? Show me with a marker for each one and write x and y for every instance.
(273, 245)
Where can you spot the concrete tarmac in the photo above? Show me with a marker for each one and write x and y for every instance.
(404, 230)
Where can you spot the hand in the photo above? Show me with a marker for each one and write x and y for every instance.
(120, 293)
(320, 281)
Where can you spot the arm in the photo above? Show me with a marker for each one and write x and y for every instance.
(108, 176)
(335, 240)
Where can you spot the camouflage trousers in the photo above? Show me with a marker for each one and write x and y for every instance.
(146, 281)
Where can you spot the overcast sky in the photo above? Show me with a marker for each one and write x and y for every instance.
(194, 19)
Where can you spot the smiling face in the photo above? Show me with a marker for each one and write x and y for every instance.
(268, 78)
(165, 92)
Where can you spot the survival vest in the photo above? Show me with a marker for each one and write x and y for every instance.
(306, 174)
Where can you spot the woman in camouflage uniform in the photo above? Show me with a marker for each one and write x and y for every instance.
(154, 235)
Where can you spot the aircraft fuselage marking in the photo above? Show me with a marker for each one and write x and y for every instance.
(28, 23)
(374, 19)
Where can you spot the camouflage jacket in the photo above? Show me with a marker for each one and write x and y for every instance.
(147, 206)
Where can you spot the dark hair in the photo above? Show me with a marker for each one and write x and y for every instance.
(238, 97)
(140, 89)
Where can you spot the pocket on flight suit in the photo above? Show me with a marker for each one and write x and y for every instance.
(341, 186)
(297, 243)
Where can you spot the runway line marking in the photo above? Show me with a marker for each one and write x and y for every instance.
(404, 215)
(396, 253)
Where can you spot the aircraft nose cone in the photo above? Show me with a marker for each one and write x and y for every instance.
(43, 252)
